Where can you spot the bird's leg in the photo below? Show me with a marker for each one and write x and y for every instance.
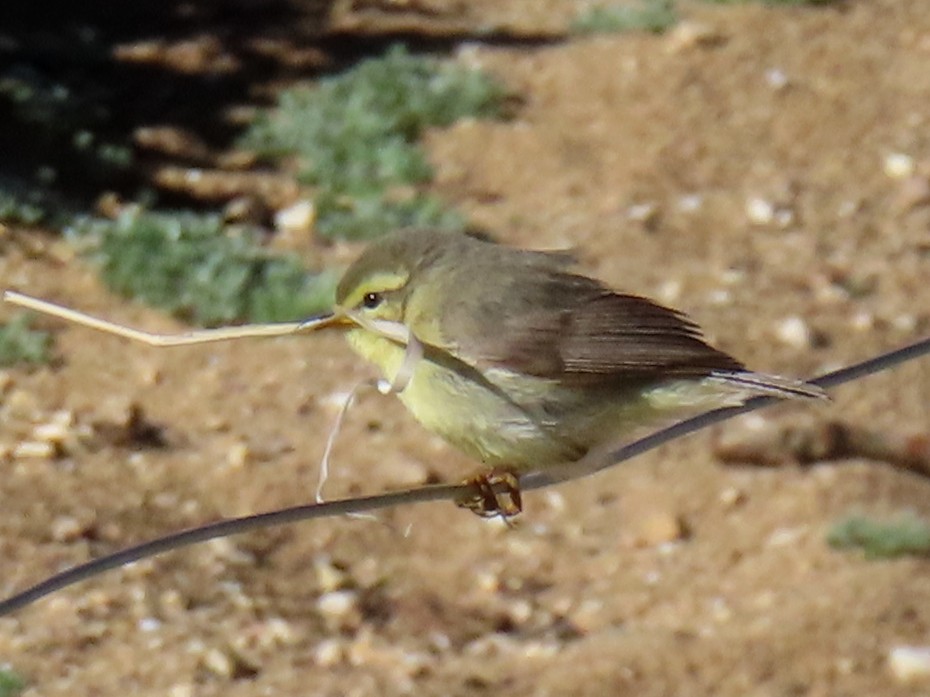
(496, 492)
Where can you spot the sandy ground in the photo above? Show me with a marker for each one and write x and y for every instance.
(741, 168)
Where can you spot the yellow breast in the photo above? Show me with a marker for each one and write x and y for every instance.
(472, 414)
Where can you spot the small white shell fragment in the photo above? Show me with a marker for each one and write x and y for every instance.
(149, 624)
(670, 291)
(910, 663)
(776, 78)
(731, 497)
(218, 663)
(38, 450)
(690, 203)
(67, 529)
(783, 537)
(898, 165)
(760, 211)
(642, 212)
(51, 432)
(335, 401)
(337, 604)
(328, 653)
(793, 331)
(904, 323)
(862, 321)
(238, 455)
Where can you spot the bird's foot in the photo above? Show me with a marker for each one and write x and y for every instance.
(494, 493)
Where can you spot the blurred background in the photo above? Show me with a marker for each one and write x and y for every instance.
(763, 166)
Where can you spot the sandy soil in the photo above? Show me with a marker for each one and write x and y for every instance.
(740, 168)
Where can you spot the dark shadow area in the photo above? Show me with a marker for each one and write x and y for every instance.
(77, 80)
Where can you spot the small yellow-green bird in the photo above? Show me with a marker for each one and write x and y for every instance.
(508, 354)
(521, 363)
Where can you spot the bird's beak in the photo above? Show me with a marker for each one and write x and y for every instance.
(336, 318)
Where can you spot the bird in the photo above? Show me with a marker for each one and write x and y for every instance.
(524, 364)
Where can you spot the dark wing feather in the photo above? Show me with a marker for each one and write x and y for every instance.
(621, 335)
(580, 332)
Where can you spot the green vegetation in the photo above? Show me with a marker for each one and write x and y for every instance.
(20, 344)
(10, 683)
(908, 535)
(202, 271)
(61, 124)
(23, 209)
(355, 136)
(654, 16)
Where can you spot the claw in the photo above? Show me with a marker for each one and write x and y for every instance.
(488, 501)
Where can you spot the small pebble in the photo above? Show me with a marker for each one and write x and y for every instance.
(897, 165)
(329, 577)
(691, 34)
(519, 611)
(863, 321)
(149, 624)
(793, 331)
(337, 604)
(783, 537)
(238, 455)
(328, 653)
(218, 662)
(643, 212)
(776, 78)
(731, 497)
(904, 323)
(670, 291)
(488, 581)
(38, 450)
(67, 529)
(52, 432)
(658, 528)
(689, 203)
(759, 211)
(910, 663)
(277, 632)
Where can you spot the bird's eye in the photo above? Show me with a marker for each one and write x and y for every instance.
(371, 300)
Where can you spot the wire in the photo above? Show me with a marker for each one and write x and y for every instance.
(235, 526)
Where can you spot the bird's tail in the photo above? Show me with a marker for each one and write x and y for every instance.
(769, 385)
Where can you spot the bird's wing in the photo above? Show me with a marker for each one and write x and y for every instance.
(573, 329)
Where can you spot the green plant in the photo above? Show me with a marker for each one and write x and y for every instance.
(654, 16)
(880, 540)
(21, 344)
(355, 136)
(10, 683)
(200, 270)
(23, 209)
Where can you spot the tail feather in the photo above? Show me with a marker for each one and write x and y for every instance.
(770, 385)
